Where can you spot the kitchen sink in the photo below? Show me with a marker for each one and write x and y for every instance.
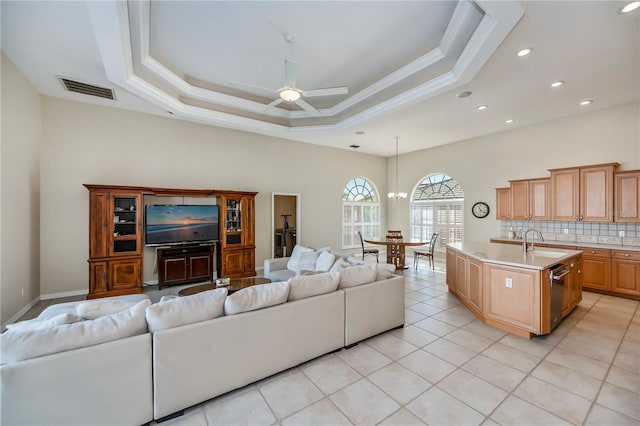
(547, 253)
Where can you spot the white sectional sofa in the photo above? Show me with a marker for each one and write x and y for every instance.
(156, 374)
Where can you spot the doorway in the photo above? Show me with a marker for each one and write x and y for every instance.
(285, 223)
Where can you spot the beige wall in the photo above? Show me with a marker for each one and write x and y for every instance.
(485, 163)
(90, 144)
(20, 192)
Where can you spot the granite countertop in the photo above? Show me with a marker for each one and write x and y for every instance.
(511, 255)
(573, 244)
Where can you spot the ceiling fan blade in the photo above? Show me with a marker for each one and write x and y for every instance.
(290, 71)
(272, 104)
(343, 90)
(310, 109)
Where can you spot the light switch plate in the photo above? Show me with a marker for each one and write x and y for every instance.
(508, 283)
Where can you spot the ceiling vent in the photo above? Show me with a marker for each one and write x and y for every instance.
(86, 89)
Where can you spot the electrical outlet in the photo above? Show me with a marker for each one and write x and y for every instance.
(565, 230)
(508, 283)
(621, 233)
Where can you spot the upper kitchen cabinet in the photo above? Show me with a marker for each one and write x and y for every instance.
(530, 199)
(583, 193)
(627, 196)
(503, 203)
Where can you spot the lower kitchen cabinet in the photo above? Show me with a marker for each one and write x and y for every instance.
(625, 272)
(596, 264)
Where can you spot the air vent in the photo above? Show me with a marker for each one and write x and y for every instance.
(87, 89)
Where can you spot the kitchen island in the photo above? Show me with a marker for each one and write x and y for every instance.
(524, 294)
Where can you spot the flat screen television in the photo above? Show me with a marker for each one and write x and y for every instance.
(180, 224)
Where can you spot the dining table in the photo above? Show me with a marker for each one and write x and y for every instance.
(396, 250)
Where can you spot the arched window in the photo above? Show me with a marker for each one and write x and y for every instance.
(437, 205)
(360, 212)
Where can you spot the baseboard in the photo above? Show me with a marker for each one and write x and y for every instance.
(63, 294)
(21, 312)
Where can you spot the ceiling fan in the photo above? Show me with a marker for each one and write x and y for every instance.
(291, 93)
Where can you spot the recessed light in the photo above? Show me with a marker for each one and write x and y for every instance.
(354, 146)
(509, 121)
(464, 94)
(482, 107)
(525, 51)
(359, 132)
(630, 7)
(557, 83)
(587, 102)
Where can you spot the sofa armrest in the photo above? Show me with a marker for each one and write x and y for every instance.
(278, 264)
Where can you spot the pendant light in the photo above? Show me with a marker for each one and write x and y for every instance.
(397, 195)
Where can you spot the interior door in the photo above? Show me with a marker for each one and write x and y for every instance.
(285, 223)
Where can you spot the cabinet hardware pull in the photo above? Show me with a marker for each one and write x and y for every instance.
(626, 255)
(593, 252)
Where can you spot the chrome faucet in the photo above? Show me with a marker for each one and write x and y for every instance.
(526, 249)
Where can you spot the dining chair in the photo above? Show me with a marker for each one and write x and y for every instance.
(428, 253)
(366, 251)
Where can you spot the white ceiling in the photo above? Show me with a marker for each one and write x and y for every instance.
(403, 62)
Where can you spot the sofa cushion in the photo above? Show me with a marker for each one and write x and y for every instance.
(256, 297)
(38, 324)
(358, 274)
(34, 343)
(186, 310)
(325, 260)
(102, 307)
(294, 261)
(385, 271)
(313, 285)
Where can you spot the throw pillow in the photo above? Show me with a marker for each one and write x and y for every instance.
(186, 310)
(34, 343)
(357, 275)
(308, 261)
(36, 324)
(100, 308)
(325, 261)
(256, 297)
(385, 271)
(294, 260)
(313, 285)
(338, 265)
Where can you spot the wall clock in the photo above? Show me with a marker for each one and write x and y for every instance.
(480, 210)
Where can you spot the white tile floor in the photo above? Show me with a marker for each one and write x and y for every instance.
(447, 368)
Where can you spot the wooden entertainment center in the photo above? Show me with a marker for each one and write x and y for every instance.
(116, 240)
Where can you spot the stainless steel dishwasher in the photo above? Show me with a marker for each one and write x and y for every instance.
(556, 279)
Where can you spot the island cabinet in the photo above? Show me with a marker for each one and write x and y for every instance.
(573, 286)
(511, 291)
(503, 203)
(513, 298)
(583, 193)
(627, 196)
(530, 199)
(115, 241)
(237, 235)
(465, 279)
(626, 272)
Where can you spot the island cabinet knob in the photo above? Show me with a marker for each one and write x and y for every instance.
(594, 252)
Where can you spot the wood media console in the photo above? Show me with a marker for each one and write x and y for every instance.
(185, 264)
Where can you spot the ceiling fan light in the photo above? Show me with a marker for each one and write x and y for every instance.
(289, 95)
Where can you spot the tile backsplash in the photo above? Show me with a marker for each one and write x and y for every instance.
(586, 232)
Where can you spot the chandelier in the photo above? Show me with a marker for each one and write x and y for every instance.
(397, 195)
